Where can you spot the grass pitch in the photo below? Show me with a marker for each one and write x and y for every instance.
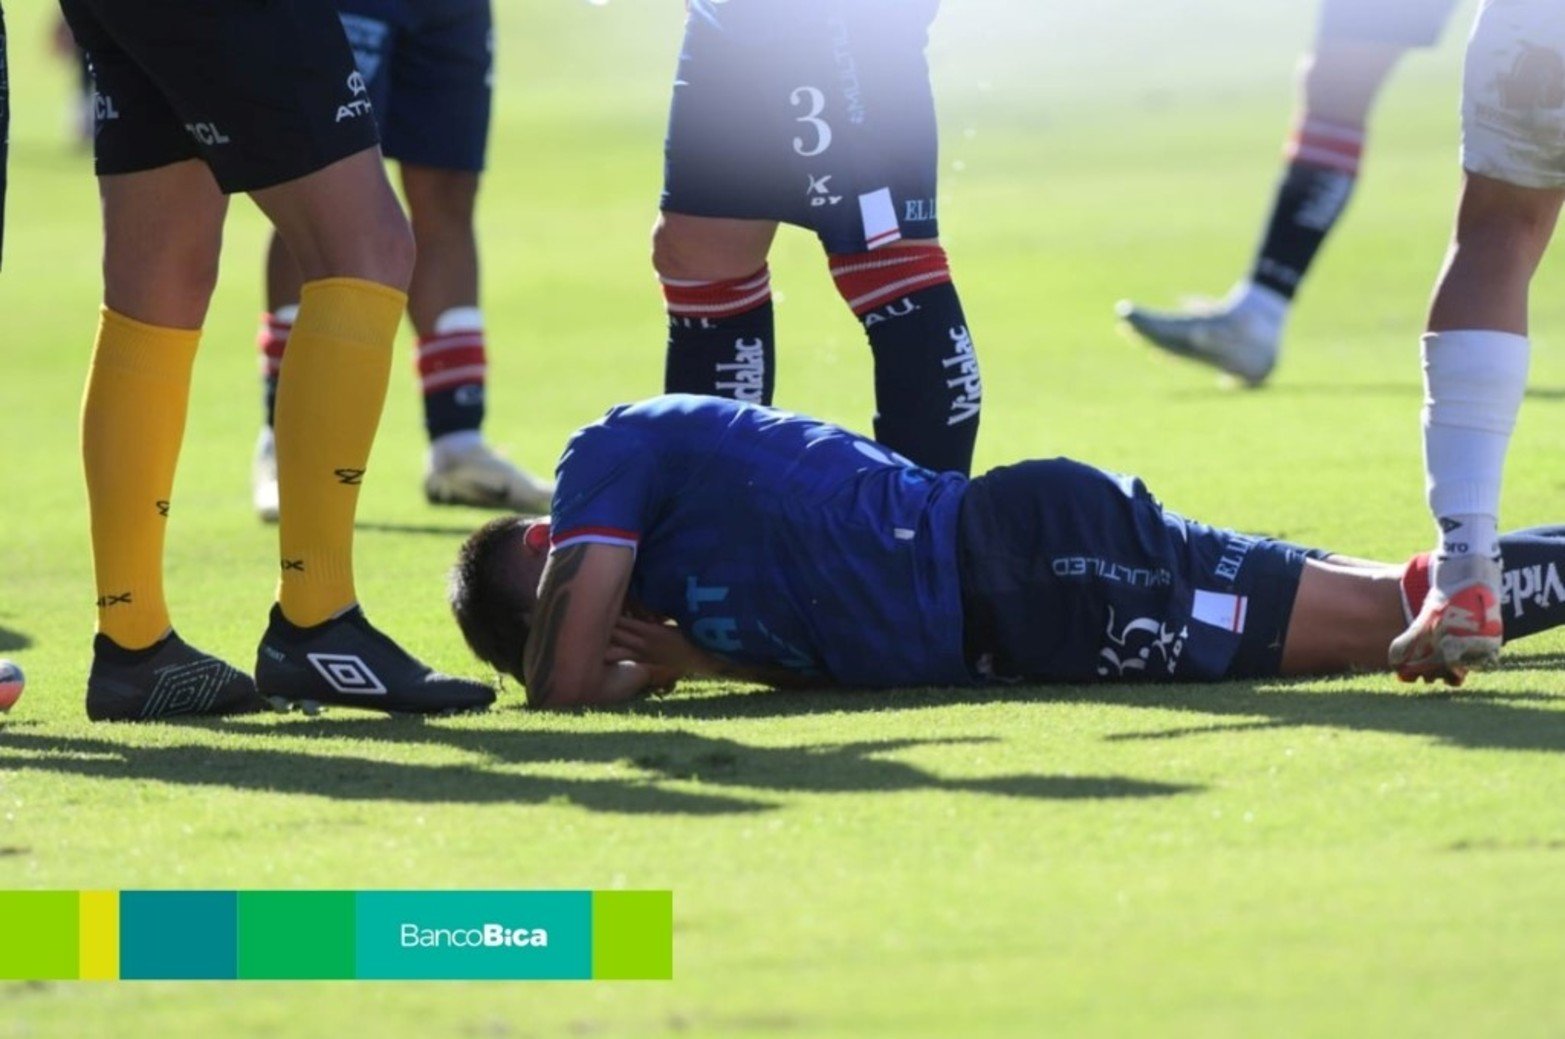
(1309, 858)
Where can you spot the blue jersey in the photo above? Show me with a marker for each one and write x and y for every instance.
(775, 540)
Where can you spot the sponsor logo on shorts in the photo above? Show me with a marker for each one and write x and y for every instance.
(847, 72)
(820, 192)
(207, 134)
(1236, 548)
(103, 107)
(360, 105)
(1108, 570)
(1537, 586)
(1143, 648)
(962, 369)
(1536, 80)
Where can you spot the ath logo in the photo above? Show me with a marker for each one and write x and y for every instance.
(347, 674)
(820, 191)
(968, 384)
(207, 134)
(745, 377)
(1536, 585)
(353, 477)
(360, 105)
(120, 599)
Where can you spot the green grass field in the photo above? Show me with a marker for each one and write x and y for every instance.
(1345, 857)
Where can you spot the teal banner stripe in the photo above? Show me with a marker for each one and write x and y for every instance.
(179, 935)
(470, 935)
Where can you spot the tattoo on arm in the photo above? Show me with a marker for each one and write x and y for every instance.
(554, 599)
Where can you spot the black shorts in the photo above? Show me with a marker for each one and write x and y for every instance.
(811, 113)
(1073, 574)
(428, 65)
(262, 91)
(1400, 23)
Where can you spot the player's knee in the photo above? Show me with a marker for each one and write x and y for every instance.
(440, 202)
(670, 251)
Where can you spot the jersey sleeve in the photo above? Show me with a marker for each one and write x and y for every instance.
(605, 488)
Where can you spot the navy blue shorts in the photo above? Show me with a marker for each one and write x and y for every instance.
(1072, 574)
(808, 112)
(261, 92)
(429, 67)
(1401, 23)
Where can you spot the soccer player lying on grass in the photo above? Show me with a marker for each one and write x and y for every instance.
(793, 552)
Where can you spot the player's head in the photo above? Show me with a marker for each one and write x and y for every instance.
(494, 587)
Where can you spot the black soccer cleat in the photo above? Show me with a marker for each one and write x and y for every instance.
(346, 661)
(170, 678)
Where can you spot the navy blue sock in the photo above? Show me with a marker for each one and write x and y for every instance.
(1322, 169)
(721, 339)
(928, 392)
(1532, 586)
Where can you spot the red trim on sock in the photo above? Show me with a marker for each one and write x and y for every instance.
(1415, 584)
(717, 299)
(271, 341)
(871, 280)
(451, 360)
(1332, 146)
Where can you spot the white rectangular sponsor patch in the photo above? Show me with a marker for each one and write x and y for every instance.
(1220, 610)
(880, 219)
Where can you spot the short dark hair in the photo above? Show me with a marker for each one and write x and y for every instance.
(491, 610)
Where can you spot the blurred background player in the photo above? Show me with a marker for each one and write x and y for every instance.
(196, 100)
(427, 65)
(816, 113)
(1357, 45)
(79, 115)
(1476, 350)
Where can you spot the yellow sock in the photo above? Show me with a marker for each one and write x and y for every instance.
(133, 418)
(329, 398)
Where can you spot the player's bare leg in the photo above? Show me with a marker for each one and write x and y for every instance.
(443, 304)
(453, 368)
(355, 251)
(1343, 616)
(1475, 370)
(162, 236)
(1242, 333)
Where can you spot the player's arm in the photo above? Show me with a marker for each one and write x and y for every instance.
(667, 650)
(580, 597)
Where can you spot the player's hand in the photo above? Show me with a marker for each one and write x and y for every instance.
(660, 646)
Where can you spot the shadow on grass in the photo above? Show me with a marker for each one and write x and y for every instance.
(1475, 720)
(454, 530)
(653, 758)
(10, 640)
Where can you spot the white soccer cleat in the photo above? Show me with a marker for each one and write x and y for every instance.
(477, 475)
(263, 477)
(1236, 340)
(1459, 626)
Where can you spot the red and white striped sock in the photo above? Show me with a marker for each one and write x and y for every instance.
(271, 342)
(453, 366)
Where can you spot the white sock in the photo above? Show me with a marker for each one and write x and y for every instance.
(1473, 387)
(459, 319)
(451, 446)
(1266, 307)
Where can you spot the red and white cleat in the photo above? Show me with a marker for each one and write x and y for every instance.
(1459, 626)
